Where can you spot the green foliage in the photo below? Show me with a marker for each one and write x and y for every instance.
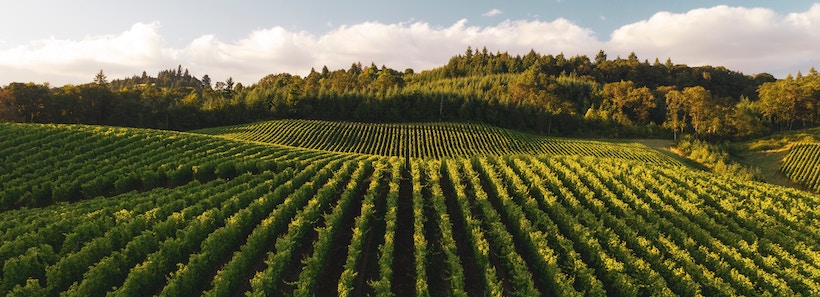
(802, 165)
(791, 101)
(31, 265)
(628, 104)
(226, 170)
(362, 226)
(783, 139)
(69, 163)
(534, 92)
(426, 140)
(716, 157)
(586, 222)
(31, 289)
(204, 172)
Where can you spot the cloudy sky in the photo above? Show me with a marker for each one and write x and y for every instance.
(64, 42)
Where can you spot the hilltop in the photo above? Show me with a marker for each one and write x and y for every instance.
(544, 94)
(427, 140)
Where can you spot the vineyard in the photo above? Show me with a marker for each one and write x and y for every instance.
(426, 140)
(802, 165)
(101, 211)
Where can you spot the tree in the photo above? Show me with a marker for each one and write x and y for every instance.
(641, 101)
(8, 110)
(228, 90)
(355, 69)
(100, 78)
(192, 100)
(703, 110)
(628, 104)
(600, 57)
(535, 91)
(367, 76)
(676, 114)
(312, 83)
(386, 80)
(206, 81)
(744, 119)
(633, 58)
(786, 101)
(27, 100)
(94, 101)
(582, 91)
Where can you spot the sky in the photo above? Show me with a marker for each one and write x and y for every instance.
(68, 42)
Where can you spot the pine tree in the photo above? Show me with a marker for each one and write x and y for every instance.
(100, 78)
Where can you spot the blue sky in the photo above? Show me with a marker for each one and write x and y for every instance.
(69, 41)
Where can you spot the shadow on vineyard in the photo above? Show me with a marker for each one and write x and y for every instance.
(404, 276)
(368, 265)
(472, 274)
(437, 272)
(332, 270)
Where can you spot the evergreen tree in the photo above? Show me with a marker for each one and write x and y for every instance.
(100, 78)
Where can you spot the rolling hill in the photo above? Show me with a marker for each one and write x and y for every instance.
(303, 208)
(427, 140)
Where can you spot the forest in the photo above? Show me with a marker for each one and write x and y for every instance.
(544, 94)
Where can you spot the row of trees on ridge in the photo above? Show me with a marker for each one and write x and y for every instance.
(545, 94)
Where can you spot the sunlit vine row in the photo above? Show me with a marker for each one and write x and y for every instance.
(802, 165)
(427, 140)
(311, 222)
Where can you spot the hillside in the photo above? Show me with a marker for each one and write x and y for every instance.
(549, 94)
(790, 158)
(428, 140)
(186, 214)
(43, 164)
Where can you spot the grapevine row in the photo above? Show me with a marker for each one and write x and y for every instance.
(426, 140)
(802, 165)
(270, 279)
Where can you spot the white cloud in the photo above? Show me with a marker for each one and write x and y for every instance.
(421, 46)
(141, 47)
(492, 12)
(750, 40)
(249, 59)
(416, 45)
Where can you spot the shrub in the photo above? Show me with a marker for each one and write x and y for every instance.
(226, 170)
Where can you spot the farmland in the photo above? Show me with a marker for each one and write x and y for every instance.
(329, 208)
(426, 140)
(802, 164)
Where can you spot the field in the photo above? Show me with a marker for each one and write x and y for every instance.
(316, 208)
(790, 158)
(426, 140)
(802, 164)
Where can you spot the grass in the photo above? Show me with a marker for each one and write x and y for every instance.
(667, 147)
(767, 154)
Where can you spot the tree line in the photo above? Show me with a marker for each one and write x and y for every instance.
(548, 94)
